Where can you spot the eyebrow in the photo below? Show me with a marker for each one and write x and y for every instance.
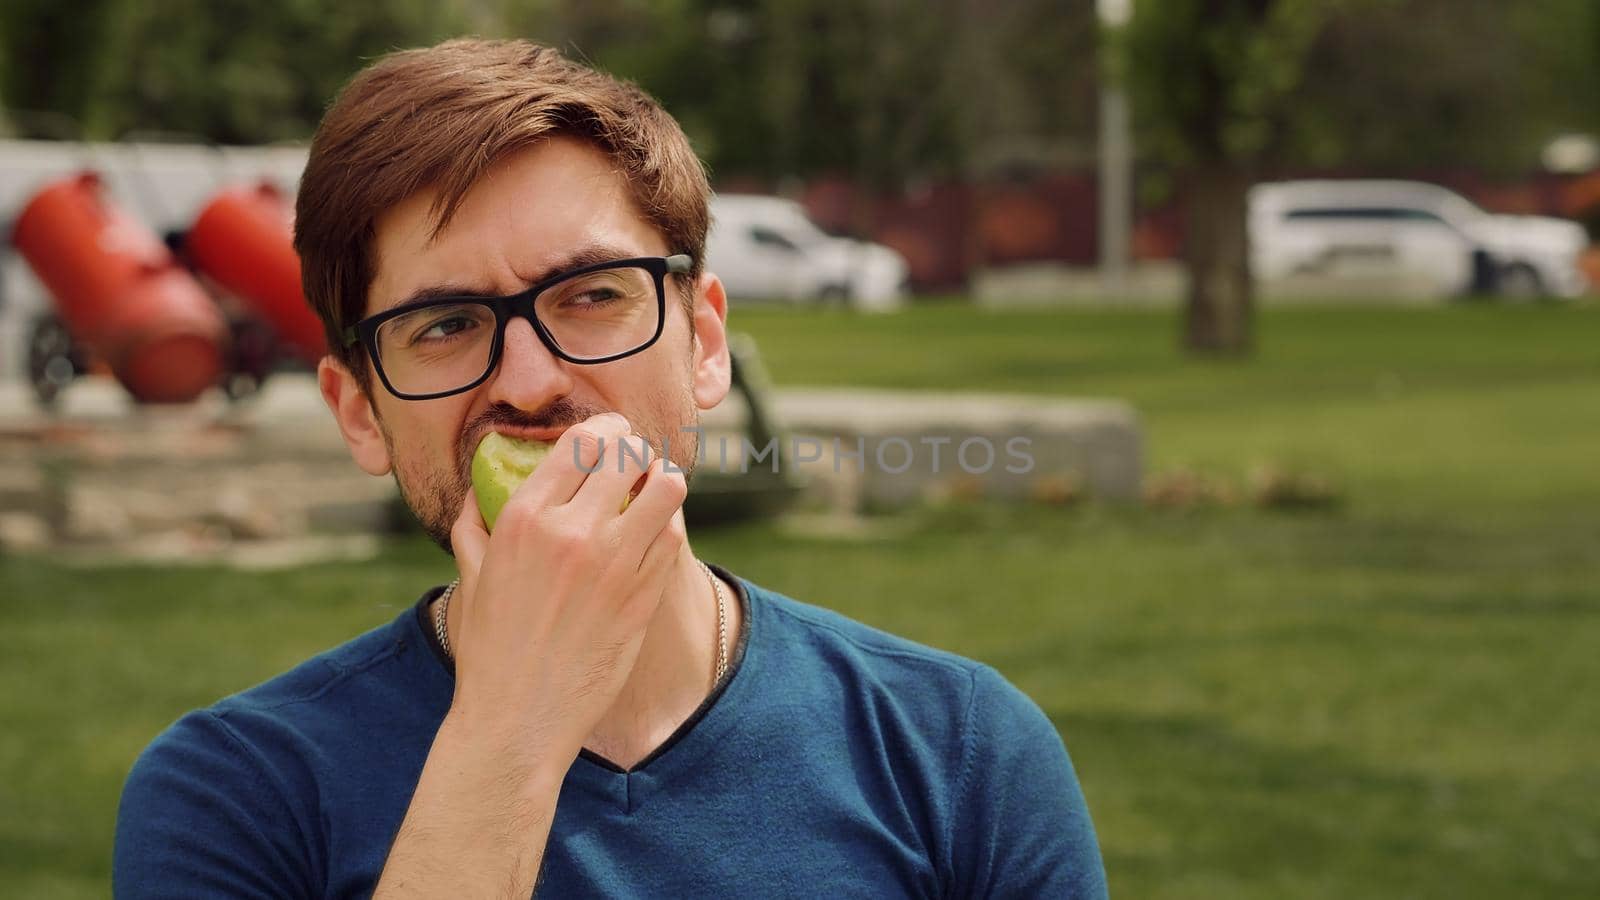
(591, 255)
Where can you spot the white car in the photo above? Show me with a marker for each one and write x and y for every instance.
(764, 248)
(1411, 229)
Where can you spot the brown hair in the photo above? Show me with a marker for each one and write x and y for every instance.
(439, 118)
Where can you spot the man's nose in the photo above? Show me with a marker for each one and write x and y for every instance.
(529, 376)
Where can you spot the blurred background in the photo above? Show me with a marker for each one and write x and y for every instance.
(1294, 300)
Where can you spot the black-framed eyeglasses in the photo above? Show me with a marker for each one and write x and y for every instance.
(445, 345)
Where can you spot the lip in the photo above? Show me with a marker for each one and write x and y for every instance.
(542, 435)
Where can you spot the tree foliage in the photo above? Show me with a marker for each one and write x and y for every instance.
(1211, 79)
(234, 71)
(885, 91)
(1387, 84)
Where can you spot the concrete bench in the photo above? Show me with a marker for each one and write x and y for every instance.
(877, 450)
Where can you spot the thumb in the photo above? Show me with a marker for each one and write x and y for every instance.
(469, 539)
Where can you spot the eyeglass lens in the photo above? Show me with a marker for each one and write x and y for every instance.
(443, 347)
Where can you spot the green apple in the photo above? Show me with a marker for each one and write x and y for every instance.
(499, 466)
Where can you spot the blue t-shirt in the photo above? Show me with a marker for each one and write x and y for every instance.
(833, 760)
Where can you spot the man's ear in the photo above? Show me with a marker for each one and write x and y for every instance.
(352, 409)
(713, 368)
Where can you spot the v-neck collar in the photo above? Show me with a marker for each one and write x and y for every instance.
(688, 744)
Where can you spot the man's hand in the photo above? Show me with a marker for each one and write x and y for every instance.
(546, 626)
(552, 608)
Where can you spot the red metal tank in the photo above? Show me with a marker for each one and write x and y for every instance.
(244, 239)
(121, 293)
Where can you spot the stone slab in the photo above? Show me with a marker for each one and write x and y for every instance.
(887, 449)
(100, 470)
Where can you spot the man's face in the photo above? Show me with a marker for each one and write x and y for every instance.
(522, 223)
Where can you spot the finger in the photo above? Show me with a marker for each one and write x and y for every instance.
(654, 568)
(576, 456)
(626, 459)
(469, 539)
(664, 547)
(652, 510)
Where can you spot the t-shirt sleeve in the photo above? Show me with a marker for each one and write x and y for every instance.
(1021, 826)
(202, 817)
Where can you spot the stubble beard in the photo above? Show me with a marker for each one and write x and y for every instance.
(435, 497)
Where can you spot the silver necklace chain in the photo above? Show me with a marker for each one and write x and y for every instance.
(716, 586)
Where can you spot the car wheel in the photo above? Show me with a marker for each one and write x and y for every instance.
(54, 360)
(835, 296)
(255, 353)
(1521, 283)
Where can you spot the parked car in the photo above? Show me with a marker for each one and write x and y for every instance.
(1411, 229)
(765, 248)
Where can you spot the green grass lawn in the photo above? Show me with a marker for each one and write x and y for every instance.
(1390, 698)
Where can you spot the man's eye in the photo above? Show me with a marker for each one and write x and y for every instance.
(444, 328)
(594, 297)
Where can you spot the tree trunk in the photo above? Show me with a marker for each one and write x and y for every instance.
(1219, 316)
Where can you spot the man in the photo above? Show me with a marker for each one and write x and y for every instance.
(498, 239)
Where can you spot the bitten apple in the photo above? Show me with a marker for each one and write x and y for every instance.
(499, 466)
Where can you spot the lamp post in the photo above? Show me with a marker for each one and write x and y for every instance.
(1115, 161)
